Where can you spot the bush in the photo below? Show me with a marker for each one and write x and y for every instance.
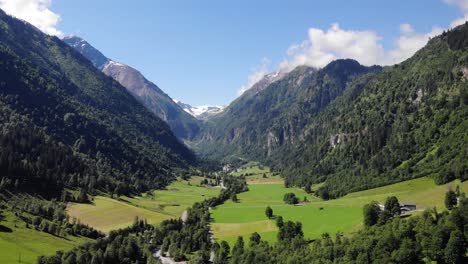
(290, 198)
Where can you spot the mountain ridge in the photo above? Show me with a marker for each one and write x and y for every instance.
(352, 127)
(203, 112)
(145, 91)
(94, 131)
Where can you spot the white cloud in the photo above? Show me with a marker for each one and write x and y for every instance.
(324, 46)
(364, 46)
(36, 12)
(463, 6)
(408, 43)
(406, 29)
(256, 75)
(321, 47)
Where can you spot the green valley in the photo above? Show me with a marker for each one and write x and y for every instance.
(344, 151)
(242, 218)
(107, 214)
(20, 243)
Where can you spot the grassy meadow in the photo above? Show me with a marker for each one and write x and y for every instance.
(20, 243)
(106, 214)
(341, 215)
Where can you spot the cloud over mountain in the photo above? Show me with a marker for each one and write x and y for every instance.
(36, 12)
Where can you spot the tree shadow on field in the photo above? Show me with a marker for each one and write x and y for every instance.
(5, 229)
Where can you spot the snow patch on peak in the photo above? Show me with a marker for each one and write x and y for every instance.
(202, 112)
(112, 63)
(202, 109)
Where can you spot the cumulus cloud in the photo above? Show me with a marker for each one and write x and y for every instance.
(256, 75)
(36, 12)
(323, 46)
(365, 46)
(408, 43)
(463, 6)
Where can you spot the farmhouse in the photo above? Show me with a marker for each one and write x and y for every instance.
(406, 207)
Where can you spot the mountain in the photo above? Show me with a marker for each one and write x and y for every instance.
(264, 82)
(274, 111)
(351, 127)
(64, 123)
(82, 46)
(203, 112)
(149, 94)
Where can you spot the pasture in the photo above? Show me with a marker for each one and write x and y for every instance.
(106, 214)
(19, 244)
(231, 220)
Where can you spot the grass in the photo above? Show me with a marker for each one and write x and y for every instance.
(29, 243)
(248, 215)
(106, 214)
(422, 191)
(231, 220)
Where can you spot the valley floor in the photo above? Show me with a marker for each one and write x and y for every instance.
(19, 244)
(106, 214)
(231, 220)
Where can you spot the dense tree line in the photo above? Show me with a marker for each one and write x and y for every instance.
(46, 216)
(233, 185)
(127, 246)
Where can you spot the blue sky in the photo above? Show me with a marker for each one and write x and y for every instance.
(203, 52)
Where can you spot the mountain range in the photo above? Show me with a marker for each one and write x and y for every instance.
(350, 127)
(183, 124)
(203, 112)
(345, 126)
(65, 123)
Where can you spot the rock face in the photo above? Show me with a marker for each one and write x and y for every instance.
(95, 56)
(149, 94)
(265, 82)
(343, 138)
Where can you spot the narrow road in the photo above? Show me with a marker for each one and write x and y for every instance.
(166, 260)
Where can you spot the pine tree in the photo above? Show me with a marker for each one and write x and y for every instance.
(371, 213)
(450, 200)
(455, 250)
(269, 212)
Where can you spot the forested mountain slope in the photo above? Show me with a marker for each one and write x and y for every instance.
(65, 123)
(149, 94)
(405, 121)
(259, 122)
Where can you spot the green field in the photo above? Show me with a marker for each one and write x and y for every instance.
(106, 214)
(27, 243)
(341, 215)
